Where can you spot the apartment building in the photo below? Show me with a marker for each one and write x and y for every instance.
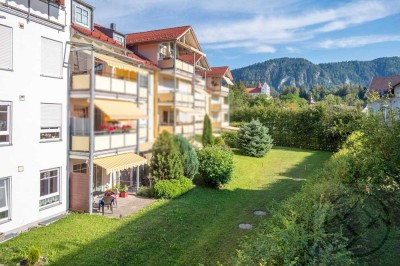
(110, 109)
(33, 111)
(178, 55)
(217, 81)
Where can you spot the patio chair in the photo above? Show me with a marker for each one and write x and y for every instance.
(107, 201)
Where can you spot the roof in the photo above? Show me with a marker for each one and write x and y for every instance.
(383, 83)
(218, 72)
(60, 2)
(98, 33)
(156, 35)
(188, 58)
(256, 89)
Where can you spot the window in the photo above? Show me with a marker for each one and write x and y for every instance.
(50, 121)
(6, 58)
(165, 51)
(80, 168)
(119, 39)
(4, 198)
(49, 187)
(5, 123)
(82, 15)
(52, 58)
(215, 116)
(144, 81)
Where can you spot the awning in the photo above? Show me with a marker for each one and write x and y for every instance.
(120, 110)
(120, 162)
(188, 110)
(228, 81)
(114, 62)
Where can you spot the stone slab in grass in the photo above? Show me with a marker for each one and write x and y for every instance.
(260, 213)
(245, 226)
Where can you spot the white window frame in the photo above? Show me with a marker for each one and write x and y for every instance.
(143, 80)
(7, 188)
(119, 39)
(89, 15)
(44, 130)
(12, 50)
(8, 132)
(55, 194)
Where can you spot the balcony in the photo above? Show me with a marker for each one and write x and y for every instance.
(220, 90)
(104, 141)
(81, 82)
(46, 12)
(168, 97)
(185, 129)
(180, 65)
(216, 107)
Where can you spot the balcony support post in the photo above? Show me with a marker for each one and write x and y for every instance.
(193, 93)
(137, 121)
(91, 141)
(175, 52)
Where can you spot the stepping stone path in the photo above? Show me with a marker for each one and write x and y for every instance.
(245, 226)
(260, 213)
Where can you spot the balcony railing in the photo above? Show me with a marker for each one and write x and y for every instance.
(180, 65)
(39, 11)
(185, 129)
(104, 83)
(168, 97)
(104, 141)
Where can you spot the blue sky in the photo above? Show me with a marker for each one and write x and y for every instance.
(238, 33)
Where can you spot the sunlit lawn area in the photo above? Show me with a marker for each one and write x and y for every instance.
(199, 227)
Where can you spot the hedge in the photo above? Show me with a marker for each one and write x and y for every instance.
(172, 188)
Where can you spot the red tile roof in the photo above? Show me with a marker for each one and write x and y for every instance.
(256, 89)
(156, 35)
(217, 72)
(98, 33)
(382, 83)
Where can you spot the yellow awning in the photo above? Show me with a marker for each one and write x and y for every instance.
(188, 110)
(228, 81)
(120, 110)
(146, 146)
(114, 62)
(120, 162)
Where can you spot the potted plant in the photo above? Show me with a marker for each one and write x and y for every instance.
(123, 191)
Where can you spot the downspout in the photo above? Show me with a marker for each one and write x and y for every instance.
(193, 92)
(175, 52)
(69, 75)
(148, 107)
(138, 132)
(91, 137)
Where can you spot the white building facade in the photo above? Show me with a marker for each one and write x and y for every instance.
(33, 112)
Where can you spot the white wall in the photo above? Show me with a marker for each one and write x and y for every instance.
(26, 149)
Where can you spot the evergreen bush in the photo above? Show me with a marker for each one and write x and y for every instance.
(188, 157)
(166, 162)
(33, 256)
(230, 138)
(216, 165)
(207, 138)
(169, 189)
(254, 140)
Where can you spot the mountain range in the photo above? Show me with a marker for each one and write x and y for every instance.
(303, 73)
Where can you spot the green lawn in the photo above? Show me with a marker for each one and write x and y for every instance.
(199, 227)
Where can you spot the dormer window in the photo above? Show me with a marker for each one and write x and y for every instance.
(119, 39)
(82, 15)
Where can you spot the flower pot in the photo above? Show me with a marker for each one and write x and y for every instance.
(123, 194)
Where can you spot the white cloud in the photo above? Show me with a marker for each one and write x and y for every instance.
(357, 41)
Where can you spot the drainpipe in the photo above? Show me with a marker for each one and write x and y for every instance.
(138, 132)
(69, 75)
(175, 52)
(148, 107)
(194, 100)
(91, 137)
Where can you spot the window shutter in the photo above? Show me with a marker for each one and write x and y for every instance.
(6, 47)
(52, 58)
(50, 115)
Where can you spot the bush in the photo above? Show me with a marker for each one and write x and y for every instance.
(216, 165)
(219, 141)
(188, 157)
(207, 138)
(166, 162)
(33, 256)
(230, 138)
(169, 189)
(254, 140)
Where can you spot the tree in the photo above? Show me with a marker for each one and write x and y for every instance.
(207, 138)
(188, 157)
(166, 162)
(254, 140)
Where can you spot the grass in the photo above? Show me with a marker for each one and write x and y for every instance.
(199, 227)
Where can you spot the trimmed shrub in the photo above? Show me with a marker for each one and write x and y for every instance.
(207, 138)
(33, 256)
(230, 138)
(216, 165)
(219, 141)
(254, 140)
(166, 162)
(169, 189)
(188, 157)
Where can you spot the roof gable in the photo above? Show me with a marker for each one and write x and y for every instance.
(156, 35)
